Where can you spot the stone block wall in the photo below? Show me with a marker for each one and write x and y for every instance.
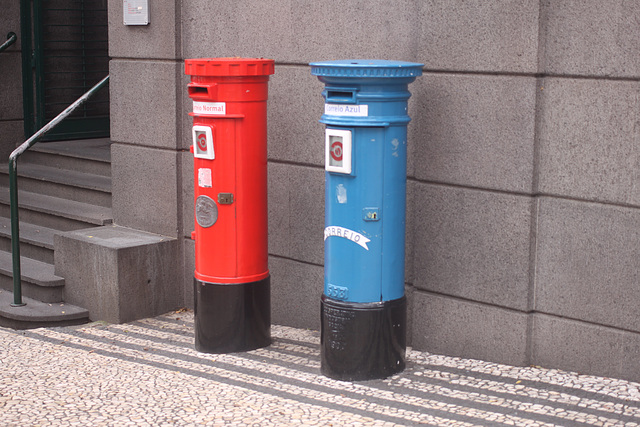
(149, 156)
(585, 282)
(523, 201)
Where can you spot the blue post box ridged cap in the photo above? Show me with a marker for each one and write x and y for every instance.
(366, 68)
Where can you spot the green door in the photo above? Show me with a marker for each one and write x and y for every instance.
(70, 55)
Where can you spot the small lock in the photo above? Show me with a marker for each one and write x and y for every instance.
(371, 214)
(225, 198)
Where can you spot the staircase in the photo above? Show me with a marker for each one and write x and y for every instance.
(62, 186)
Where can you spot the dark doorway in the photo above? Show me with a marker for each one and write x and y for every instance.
(69, 56)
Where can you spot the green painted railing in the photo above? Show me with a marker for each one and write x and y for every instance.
(13, 185)
(11, 39)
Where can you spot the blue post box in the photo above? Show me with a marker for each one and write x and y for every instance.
(363, 308)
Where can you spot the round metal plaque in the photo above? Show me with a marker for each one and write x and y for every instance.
(206, 211)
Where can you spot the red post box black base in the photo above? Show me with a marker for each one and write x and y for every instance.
(362, 341)
(231, 318)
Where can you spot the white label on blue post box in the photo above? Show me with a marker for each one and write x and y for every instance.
(209, 108)
(345, 233)
(337, 153)
(203, 142)
(351, 110)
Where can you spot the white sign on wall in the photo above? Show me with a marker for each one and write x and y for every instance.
(135, 12)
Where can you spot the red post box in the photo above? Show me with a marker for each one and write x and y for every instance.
(232, 282)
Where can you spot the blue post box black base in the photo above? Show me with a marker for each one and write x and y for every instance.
(230, 318)
(362, 341)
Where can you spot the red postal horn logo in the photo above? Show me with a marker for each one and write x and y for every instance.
(336, 151)
(202, 141)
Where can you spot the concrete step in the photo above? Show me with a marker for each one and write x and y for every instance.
(38, 278)
(84, 155)
(63, 183)
(35, 242)
(63, 186)
(36, 314)
(54, 212)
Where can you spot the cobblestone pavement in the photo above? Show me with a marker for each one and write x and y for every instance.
(148, 373)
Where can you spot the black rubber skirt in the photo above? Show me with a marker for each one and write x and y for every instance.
(362, 341)
(230, 318)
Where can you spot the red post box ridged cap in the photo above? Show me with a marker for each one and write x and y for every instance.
(229, 67)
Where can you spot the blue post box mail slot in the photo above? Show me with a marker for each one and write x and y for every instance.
(363, 304)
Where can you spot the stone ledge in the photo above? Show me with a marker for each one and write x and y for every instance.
(119, 274)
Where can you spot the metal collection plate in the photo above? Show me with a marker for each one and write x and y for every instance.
(206, 211)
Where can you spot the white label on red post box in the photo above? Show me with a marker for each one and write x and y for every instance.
(203, 142)
(209, 108)
(337, 155)
(204, 178)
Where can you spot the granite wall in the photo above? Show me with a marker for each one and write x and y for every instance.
(523, 216)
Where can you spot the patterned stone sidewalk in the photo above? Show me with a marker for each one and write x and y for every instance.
(147, 373)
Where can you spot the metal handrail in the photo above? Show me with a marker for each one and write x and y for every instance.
(13, 186)
(11, 39)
